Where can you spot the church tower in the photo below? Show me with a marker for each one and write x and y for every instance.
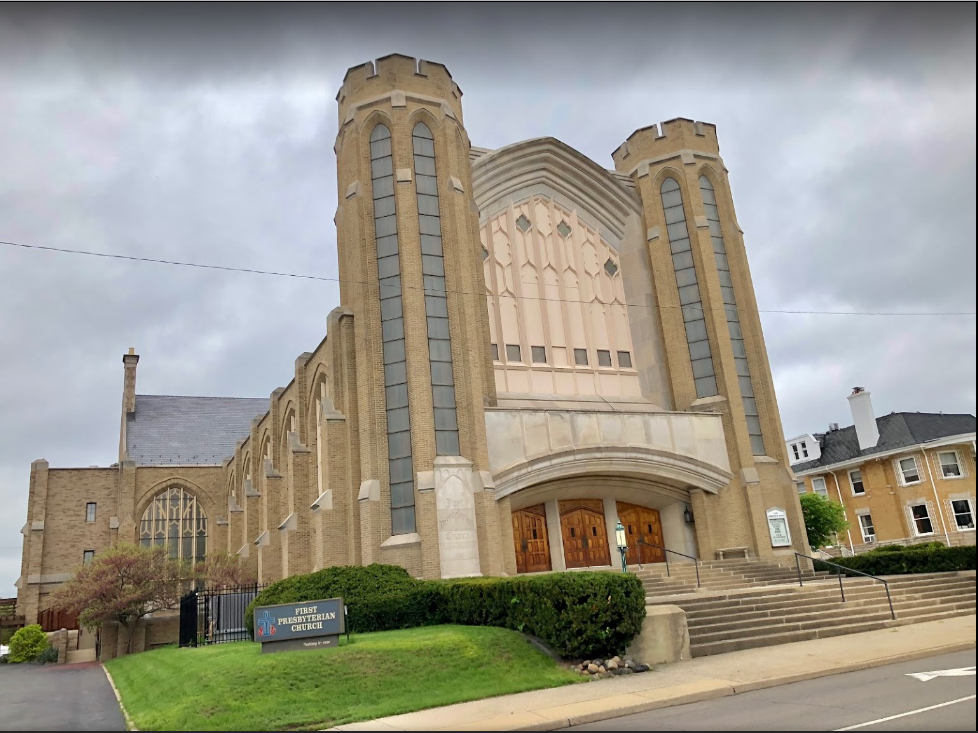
(714, 346)
(411, 273)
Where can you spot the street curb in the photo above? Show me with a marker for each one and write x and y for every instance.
(733, 689)
(125, 713)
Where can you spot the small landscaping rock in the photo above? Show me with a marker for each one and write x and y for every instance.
(641, 668)
(612, 665)
(592, 668)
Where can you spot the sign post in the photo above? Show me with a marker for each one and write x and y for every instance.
(308, 625)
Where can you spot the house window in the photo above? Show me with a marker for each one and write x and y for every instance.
(908, 471)
(856, 480)
(818, 486)
(580, 357)
(624, 360)
(494, 350)
(800, 485)
(950, 468)
(804, 449)
(604, 358)
(964, 515)
(866, 526)
(538, 354)
(513, 352)
(88, 556)
(921, 520)
(90, 508)
(794, 449)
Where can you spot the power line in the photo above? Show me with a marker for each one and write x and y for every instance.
(321, 278)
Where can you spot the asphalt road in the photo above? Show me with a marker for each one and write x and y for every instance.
(52, 697)
(885, 698)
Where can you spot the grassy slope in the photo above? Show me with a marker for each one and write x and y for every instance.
(234, 687)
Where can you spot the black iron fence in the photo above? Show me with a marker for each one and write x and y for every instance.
(215, 615)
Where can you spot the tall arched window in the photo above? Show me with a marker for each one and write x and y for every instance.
(399, 462)
(694, 318)
(175, 520)
(435, 295)
(733, 317)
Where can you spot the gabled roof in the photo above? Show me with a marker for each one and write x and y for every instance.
(166, 430)
(897, 430)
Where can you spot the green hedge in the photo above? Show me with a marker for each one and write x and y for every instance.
(579, 615)
(907, 561)
(904, 548)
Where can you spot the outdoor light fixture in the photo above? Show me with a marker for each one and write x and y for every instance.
(688, 515)
(622, 544)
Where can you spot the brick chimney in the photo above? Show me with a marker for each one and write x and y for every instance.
(129, 362)
(864, 418)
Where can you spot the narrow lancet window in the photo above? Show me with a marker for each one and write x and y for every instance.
(694, 317)
(435, 296)
(733, 318)
(400, 463)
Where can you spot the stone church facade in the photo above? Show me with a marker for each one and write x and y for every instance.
(529, 348)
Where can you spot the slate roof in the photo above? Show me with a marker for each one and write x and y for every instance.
(897, 430)
(189, 430)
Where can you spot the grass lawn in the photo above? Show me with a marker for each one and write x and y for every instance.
(235, 687)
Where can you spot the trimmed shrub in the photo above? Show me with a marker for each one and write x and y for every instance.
(584, 614)
(904, 548)
(578, 615)
(379, 597)
(48, 656)
(27, 644)
(909, 560)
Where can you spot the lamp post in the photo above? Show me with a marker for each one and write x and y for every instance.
(622, 544)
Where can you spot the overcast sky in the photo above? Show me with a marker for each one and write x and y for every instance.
(206, 135)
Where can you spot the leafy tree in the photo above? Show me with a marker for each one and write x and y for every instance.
(224, 570)
(123, 584)
(823, 519)
(27, 644)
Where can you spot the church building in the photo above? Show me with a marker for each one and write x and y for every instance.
(529, 348)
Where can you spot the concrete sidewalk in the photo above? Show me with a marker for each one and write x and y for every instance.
(692, 681)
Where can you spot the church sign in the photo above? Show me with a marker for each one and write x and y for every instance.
(307, 625)
(777, 524)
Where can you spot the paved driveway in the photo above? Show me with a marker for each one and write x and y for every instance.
(53, 697)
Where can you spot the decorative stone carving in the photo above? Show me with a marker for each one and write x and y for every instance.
(458, 536)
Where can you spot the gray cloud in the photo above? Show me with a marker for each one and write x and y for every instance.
(206, 135)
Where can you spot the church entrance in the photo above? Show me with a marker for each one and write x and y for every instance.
(530, 538)
(641, 523)
(585, 535)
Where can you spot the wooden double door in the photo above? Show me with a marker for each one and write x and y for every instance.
(585, 534)
(530, 538)
(641, 523)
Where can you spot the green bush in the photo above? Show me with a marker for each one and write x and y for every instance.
(584, 614)
(903, 548)
(48, 656)
(908, 560)
(27, 644)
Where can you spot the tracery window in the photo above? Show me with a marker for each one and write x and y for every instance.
(174, 519)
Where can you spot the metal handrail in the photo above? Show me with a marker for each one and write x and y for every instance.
(886, 585)
(696, 562)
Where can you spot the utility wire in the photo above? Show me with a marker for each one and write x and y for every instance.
(301, 276)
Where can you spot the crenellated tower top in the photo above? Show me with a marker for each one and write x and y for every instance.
(665, 140)
(397, 76)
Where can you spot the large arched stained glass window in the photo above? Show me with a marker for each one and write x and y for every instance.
(175, 520)
(694, 319)
(733, 317)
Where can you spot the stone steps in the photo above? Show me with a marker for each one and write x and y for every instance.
(747, 604)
